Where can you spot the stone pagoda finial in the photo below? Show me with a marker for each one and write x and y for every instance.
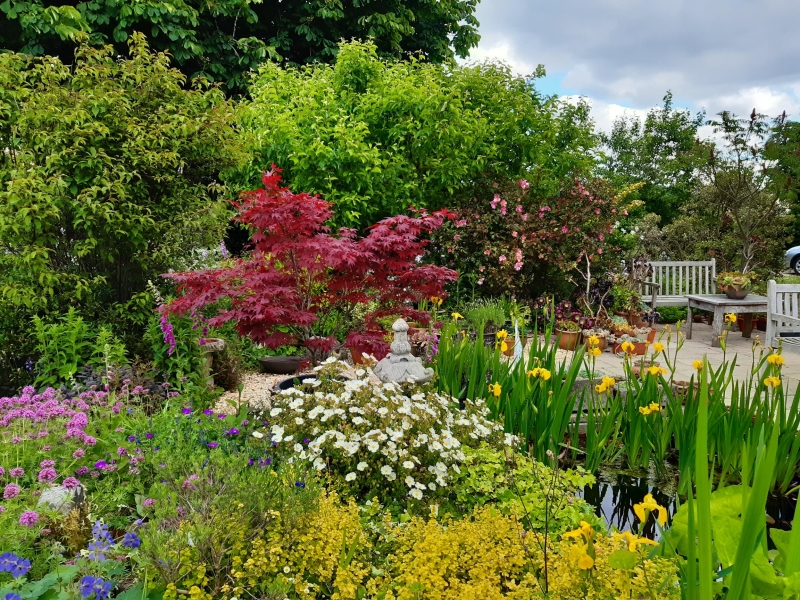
(400, 365)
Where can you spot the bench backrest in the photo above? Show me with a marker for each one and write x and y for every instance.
(681, 278)
(783, 309)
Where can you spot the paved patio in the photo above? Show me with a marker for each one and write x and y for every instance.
(700, 345)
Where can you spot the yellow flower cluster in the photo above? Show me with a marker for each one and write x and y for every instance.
(654, 370)
(772, 381)
(606, 384)
(651, 408)
(540, 373)
(436, 300)
(775, 359)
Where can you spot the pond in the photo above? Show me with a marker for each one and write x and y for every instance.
(617, 490)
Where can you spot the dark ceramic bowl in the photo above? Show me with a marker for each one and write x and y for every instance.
(280, 365)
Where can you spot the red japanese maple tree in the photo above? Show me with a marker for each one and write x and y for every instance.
(299, 268)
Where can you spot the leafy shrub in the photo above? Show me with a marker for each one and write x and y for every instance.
(525, 489)
(70, 344)
(672, 314)
(378, 442)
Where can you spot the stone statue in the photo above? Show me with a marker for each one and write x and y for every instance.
(400, 365)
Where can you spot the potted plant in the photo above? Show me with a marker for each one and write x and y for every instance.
(638, 348)
(486, 313)
(735, 284)
(568, 334)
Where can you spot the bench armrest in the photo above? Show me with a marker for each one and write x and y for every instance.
(777, 317)
(657, 286)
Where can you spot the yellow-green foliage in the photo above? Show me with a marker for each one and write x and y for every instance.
(330, 553)
(649, 578)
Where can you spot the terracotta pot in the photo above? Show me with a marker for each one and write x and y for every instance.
(510, 343)
(761, 323)
(736, 293)
(651, 337)
(282, 365)
(637, 367)
(639, 348)
(567, 340)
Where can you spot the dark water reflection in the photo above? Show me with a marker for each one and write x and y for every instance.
(616, 491)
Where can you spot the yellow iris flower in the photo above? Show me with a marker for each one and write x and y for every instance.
(644, 410)
(593, 341)
(698, 365)
(658, 347)
(594, 352)
(730, 318)
(495, 389)
(456, 316)
(648, 505)
(775, 359)
(772, 382)
(585, 562)
(654, 370)
(632, 541)
(628, 347)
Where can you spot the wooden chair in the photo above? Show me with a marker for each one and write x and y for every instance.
(783, 315)
(672, 281)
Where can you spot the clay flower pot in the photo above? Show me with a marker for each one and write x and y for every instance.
(567, 340)
(735, 292)
(639, 348)
(510, 342)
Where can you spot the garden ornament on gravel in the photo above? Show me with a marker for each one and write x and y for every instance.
(400, 365)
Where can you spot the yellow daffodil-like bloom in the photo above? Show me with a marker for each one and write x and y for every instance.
(495, 389)
(658, 347)
(609, 382)
(502, 334)
(644, 410)
(456, 316)
(772, 382)
(594, 352)
(775, 359)
(632, 541)
(585, 562)
(585, 531)
(698, 365)
(654, 406)
(593, 341)
(648, 505)
(730, 318)
(628, 347)
(654, 370)
(538, 372)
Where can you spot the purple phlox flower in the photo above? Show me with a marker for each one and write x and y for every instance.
(264, 462)
(47, 463)
(47, 475)
(131, 540)
(89, 440)
(11, 491)
(2, 471)
(2, 509)
(47, 448)
(202, 341)
(100, 464)
(16, 565)
(149, 436)
(16, 440)
(186, 410)
(122, 451)
(212, 444)
(101, 542)
(232, 431)
(71, 483)
(81, 471)
(148, 502)
(245, 423)
(188, 483)
(28, 518)
(131, 438)
(169, 335)
(207, 412)
(222, 416)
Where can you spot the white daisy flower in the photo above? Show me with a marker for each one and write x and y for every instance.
(410, 481)
(362, 466)
(350, 476)
(408, 465)
(416, 494)
(258, 435)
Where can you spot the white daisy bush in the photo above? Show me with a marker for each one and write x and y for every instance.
(388, 441)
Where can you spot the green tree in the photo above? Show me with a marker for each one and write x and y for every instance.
(783, 153)
(110, 171)
(223, 40)
(663, 153)
(375, 136)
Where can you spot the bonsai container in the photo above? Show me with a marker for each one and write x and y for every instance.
(281, 365)
(736, 293)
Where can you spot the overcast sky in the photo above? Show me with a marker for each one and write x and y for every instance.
(625, 54)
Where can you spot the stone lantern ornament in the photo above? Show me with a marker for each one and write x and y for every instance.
(400, 365)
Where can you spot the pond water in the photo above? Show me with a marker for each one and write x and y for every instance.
(617, 490)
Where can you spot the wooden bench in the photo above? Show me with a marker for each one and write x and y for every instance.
(783, 315)
(671, 281)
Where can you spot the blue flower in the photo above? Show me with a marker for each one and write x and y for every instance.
(101, 542)
(16, 565)
(186, 410)
(131, 540)
(100, 464)
(12, 596)
(299, 484)
(95, 585)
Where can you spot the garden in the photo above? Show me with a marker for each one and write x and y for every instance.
(381, 326)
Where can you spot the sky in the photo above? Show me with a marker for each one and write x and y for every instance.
(623, 55)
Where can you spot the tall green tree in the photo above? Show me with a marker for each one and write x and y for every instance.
(375, 136)
(109, 171)
(663, 153)
(783, 153)
(224, 40)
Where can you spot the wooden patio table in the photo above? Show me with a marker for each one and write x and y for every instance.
(721, 305)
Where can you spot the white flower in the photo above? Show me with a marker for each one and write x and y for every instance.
(362, 466)
(408, 465)
(258, 435)
(298, 448)
(275, 412)
(319, 464)
(415, 493)
(456, 469)
(373, 446)
(388, 472)
(358, 420)
(350, 476)
(410, 481)
(432, 486)
(383, 411)
(286, 569)
(299, 420)
(288, 438)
